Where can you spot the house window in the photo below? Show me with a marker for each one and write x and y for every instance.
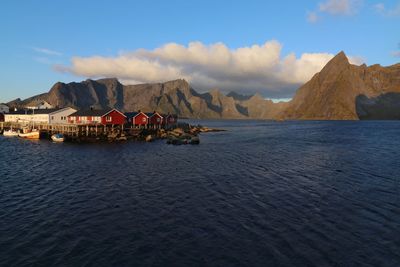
(108, 118)
(143, 119)
(158, 119)
(52, 117)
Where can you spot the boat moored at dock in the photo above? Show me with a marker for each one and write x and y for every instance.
(58, 138)
(30, 134)
(10, 132)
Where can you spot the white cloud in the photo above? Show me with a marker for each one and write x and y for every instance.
(46, 51)
(247, 69)
(389, 12)
(334, 8)
(340, 7)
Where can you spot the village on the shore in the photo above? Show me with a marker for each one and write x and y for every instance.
(95, 125)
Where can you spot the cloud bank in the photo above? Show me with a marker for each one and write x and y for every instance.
(257, 68)
(340, 7)
(334, 8)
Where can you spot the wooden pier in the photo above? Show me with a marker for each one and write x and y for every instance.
(74, 131)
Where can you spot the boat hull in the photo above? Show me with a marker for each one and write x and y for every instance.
(57, 138)
(31, 135)
(10, 133)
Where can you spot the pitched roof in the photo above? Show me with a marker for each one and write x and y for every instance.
(114, 109)
(36, 111)
(91, 112)
(170, 115)
(150, 114)
(62, 109)
(95, 112)
(131, 115)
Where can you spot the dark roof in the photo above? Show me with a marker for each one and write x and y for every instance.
(36, 111)
(150, 114)
(91, 112)
(131, 115)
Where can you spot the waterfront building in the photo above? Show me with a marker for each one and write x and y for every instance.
(39, 104)
(155, 119)
(137, 119)
(27, 116)
(60, 116)
(170, 119)
(93, 116)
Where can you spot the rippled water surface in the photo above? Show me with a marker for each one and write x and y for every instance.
(260, 194)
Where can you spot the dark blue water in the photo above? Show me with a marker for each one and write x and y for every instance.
(260, 194)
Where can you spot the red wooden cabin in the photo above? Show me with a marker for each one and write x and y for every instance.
(105, 117)
(170, 119)
(155, 119)
(137, 119)
(114, 117)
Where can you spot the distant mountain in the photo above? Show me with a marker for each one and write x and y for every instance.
(239, 97)
(174, 96)
(340, 91)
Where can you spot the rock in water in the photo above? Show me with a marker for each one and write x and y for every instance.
(195, 140)
(149, 138)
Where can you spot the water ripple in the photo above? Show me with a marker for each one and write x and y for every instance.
(260, 194)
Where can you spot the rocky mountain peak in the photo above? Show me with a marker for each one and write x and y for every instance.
(337, 61)
(335, 66)
(257, 97)
(342, 91)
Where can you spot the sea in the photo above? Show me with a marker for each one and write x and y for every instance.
(261, 193)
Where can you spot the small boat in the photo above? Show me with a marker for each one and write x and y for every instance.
(58, 138)
(30, 134)
(10, 132)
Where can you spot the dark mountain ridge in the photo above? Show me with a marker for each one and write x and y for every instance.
(175, 96)
(340, 91)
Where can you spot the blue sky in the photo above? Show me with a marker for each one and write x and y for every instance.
(210, 43)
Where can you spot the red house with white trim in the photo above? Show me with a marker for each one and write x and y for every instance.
(155, 119)
(104, 117)
(137, 119)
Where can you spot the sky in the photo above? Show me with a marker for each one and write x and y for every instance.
(269, 47)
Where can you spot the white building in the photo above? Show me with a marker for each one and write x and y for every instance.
(60, 116)
(39, 105)
(4, 108)
(54, 116)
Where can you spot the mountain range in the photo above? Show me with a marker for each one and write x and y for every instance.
(340, 91)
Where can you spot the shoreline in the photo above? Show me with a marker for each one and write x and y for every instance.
(181, 133)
